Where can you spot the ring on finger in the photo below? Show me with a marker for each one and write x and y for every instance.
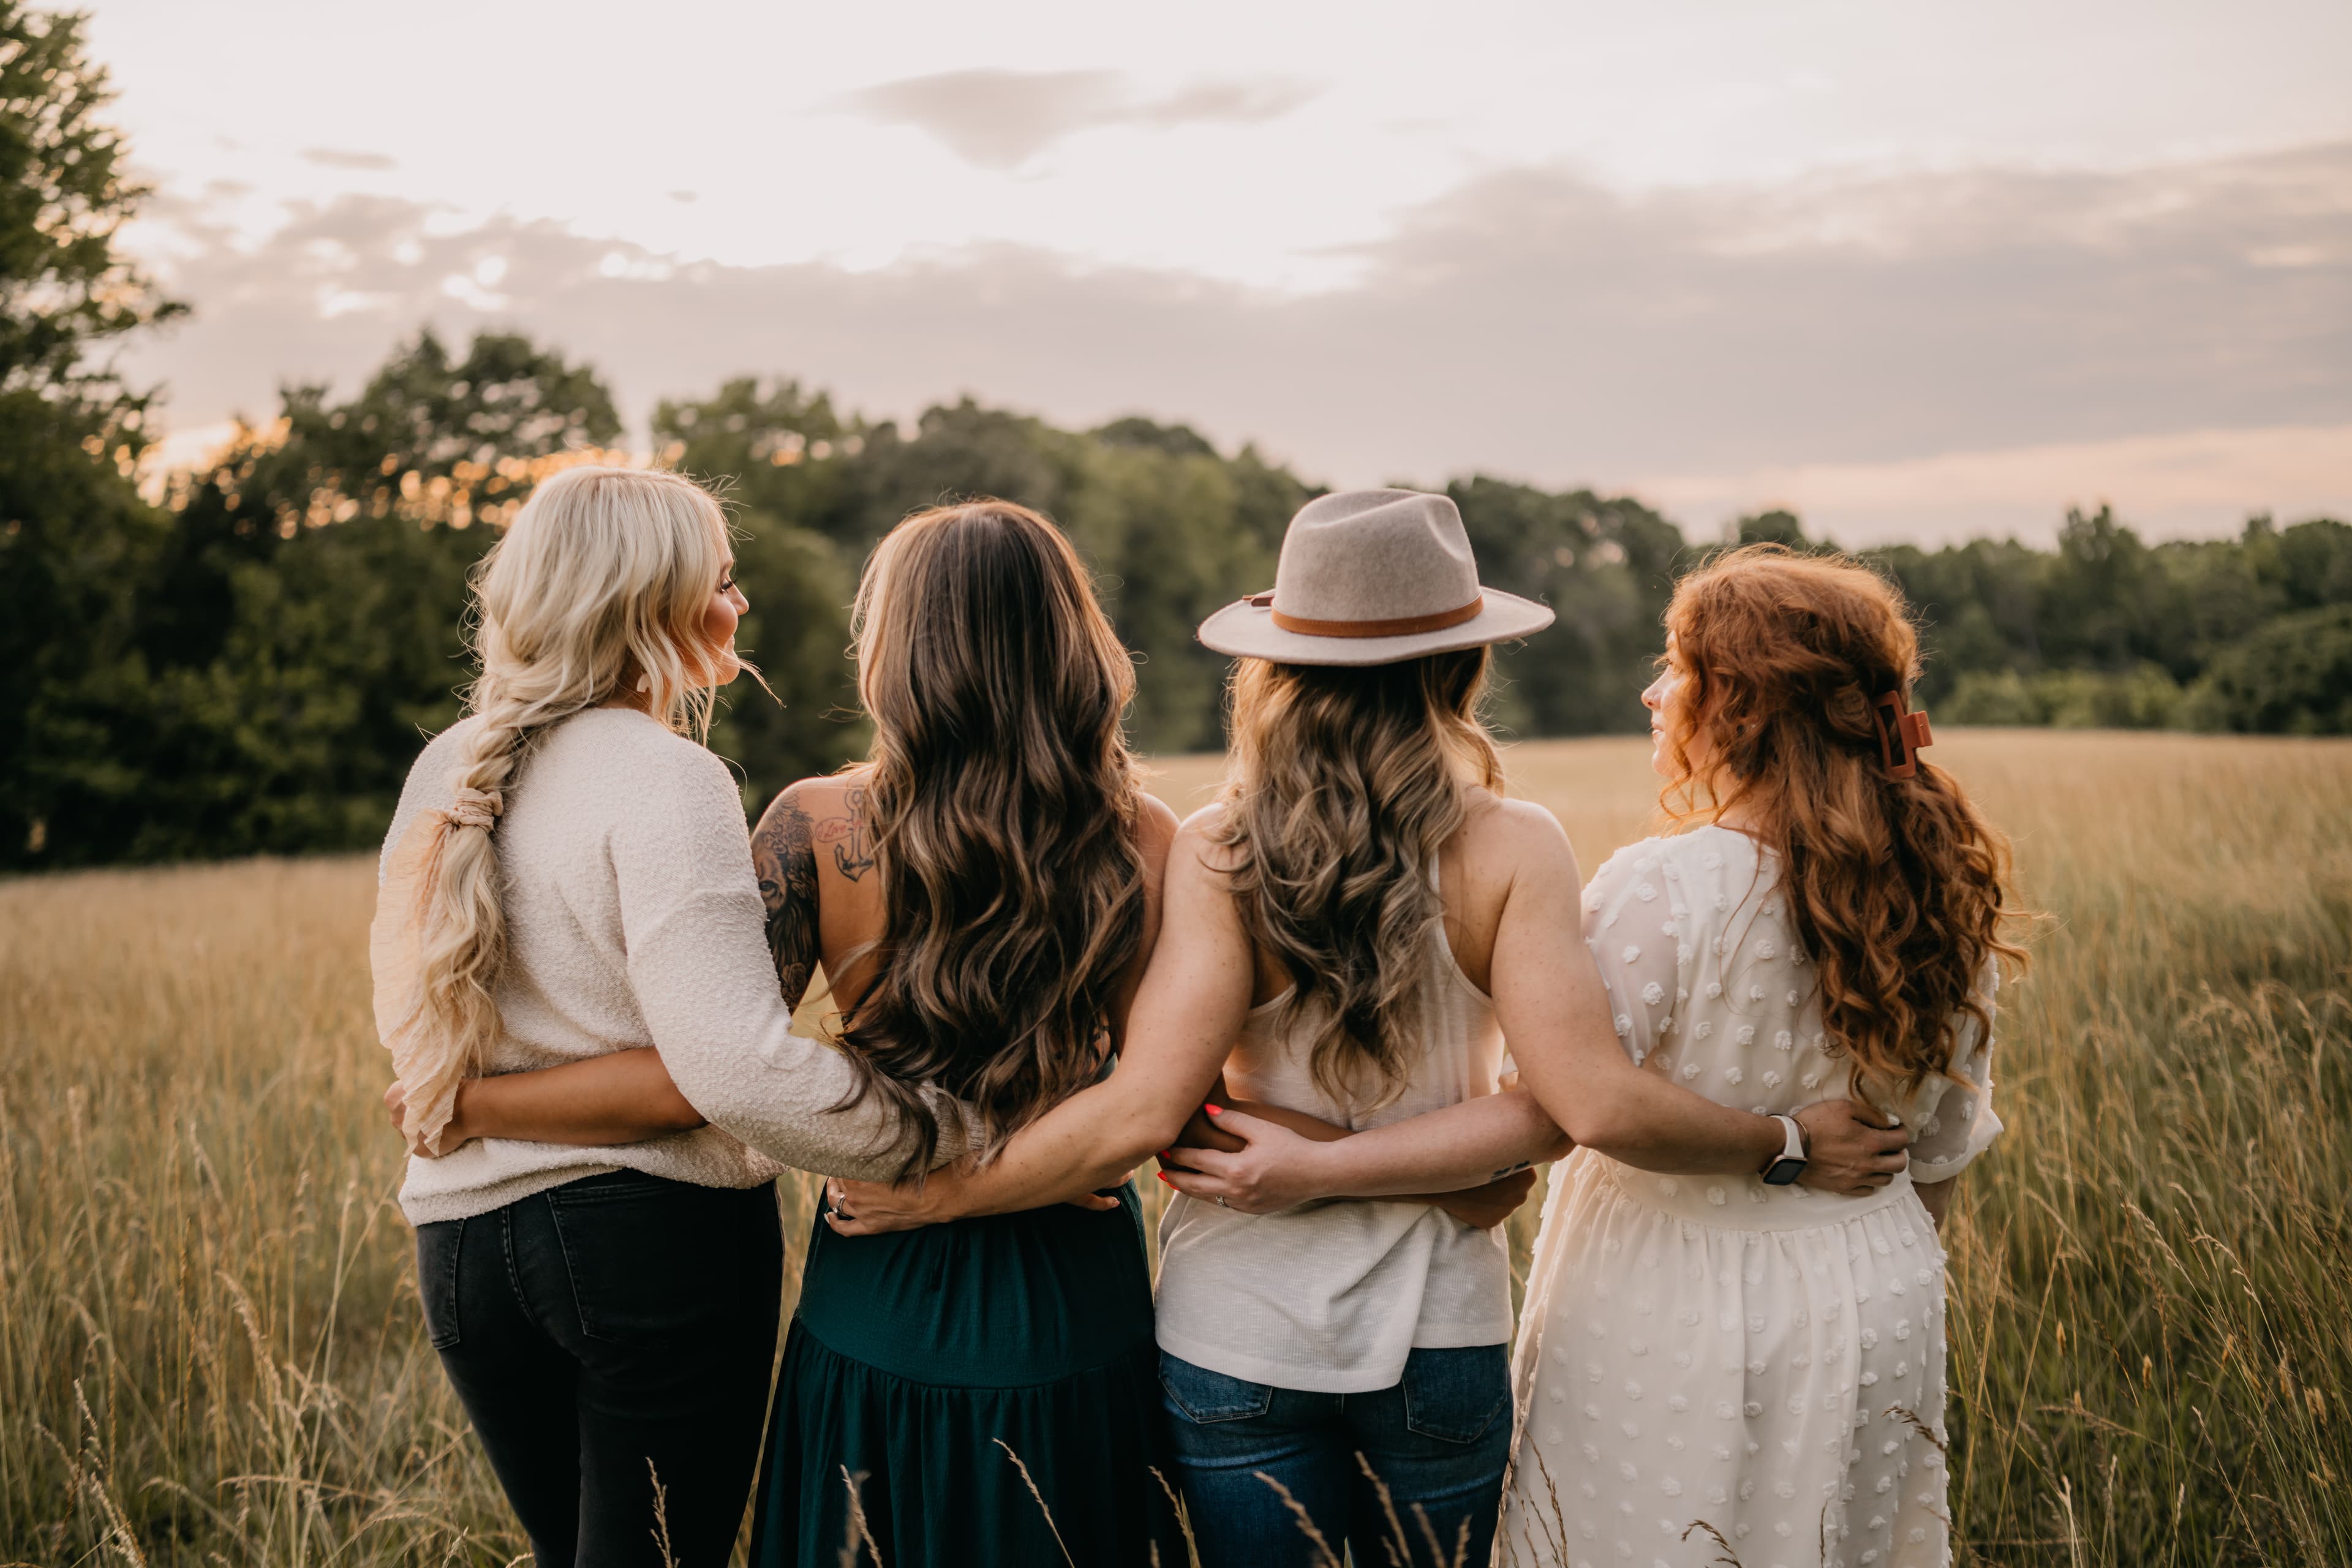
(1221, 1202)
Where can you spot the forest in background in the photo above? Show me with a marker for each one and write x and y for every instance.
(247, 662)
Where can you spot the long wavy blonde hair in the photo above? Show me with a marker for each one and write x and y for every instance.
(600, 587)
(1899, 886)
(1342, 783)
(1005, 806)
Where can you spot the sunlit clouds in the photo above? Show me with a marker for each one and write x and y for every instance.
(1739, 256)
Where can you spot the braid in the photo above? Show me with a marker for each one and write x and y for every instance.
(604, 575)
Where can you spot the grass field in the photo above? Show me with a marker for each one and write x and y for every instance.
(210, 1350)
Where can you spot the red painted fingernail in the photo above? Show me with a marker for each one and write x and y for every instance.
(1214, 1110)
(1163, 1177)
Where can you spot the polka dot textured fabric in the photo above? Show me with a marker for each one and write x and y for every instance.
(1766, 1362)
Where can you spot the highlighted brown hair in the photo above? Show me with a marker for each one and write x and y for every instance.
(1345, 779)
(1005, 807)
(1897, 886)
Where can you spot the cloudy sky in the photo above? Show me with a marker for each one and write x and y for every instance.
(1918, 269)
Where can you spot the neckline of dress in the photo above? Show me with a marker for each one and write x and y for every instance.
(1741, 834)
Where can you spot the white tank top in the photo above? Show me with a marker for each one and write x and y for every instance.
(1331, 1295)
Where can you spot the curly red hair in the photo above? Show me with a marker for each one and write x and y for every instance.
(1897, 886)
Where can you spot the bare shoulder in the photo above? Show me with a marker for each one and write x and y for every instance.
(1200, 841)
(1511, 835)
(825, 794)
(824, 819)
(1155, 829)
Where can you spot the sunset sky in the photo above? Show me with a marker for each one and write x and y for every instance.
(1919, 270)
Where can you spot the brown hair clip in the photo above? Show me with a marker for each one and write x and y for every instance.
(1900, 734)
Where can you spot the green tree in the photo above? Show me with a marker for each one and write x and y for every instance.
(1606, 566)
(1778, 526)
(1977, 605)
(439, 439)
(2293, 676)
(1175, 533)
(298, 616)
(73, 532)
(771, 448)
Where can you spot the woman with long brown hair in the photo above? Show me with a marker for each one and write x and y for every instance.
(1351, 932)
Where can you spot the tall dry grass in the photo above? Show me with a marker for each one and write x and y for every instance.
(210, 1350)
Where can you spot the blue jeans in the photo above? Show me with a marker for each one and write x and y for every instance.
(1439, 1440)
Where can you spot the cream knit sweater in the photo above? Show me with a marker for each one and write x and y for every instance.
(633, 918)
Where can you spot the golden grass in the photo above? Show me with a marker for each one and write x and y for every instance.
(210, 1350)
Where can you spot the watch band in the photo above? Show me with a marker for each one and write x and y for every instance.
(1790, 1163)
(1794, 1148)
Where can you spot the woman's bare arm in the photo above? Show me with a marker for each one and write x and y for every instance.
(625, 1096)
(1189, 1010)
(1481, 1143)
(1484, 1198)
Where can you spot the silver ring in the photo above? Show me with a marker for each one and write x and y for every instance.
(1222, 1204)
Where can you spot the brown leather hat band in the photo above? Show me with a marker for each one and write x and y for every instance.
(1395, 627)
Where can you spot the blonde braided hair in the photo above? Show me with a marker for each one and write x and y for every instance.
(599, 589)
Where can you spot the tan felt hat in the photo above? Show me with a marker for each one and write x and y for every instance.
(1372, 577)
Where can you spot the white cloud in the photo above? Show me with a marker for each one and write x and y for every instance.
(488, 110)
(1831, 338)
(1002, 119)
(330, 158)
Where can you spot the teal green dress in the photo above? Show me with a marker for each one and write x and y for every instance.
(918, 1359)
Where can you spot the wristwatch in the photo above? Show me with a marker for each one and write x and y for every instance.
(1789, 1163)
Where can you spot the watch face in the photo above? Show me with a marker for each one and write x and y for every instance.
(1784, 1172)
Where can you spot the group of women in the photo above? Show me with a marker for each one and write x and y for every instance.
(1348, 1006)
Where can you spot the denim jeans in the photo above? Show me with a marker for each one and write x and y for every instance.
(1439, 1440)
(604, 1334)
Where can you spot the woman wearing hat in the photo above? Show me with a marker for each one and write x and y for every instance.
(1352, 932)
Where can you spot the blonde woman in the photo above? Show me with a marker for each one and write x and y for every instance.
(569, 875)
(1352, 932)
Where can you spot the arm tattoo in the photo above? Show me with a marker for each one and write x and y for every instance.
(786, 860)
(853, 844)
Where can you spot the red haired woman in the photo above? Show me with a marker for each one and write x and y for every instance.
(1826, 917)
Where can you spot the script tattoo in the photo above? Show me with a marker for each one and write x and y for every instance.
(785, 858)
(853, 846)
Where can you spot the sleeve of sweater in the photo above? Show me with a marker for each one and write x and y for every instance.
(705, 985)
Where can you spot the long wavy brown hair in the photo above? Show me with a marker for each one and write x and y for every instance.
(1343, 781)
(1004, 804)
(1897, 886)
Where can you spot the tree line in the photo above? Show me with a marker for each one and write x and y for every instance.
(247, 661)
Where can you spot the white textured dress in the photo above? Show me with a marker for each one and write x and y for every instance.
(1703, 1356)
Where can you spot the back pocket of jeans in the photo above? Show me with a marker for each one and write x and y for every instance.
(1203, 1397)
(439, 1246)
(1455, 1394)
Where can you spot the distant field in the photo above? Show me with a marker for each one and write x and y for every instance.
(210, 1349)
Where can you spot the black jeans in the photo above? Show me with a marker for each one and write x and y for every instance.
(605, 1334)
